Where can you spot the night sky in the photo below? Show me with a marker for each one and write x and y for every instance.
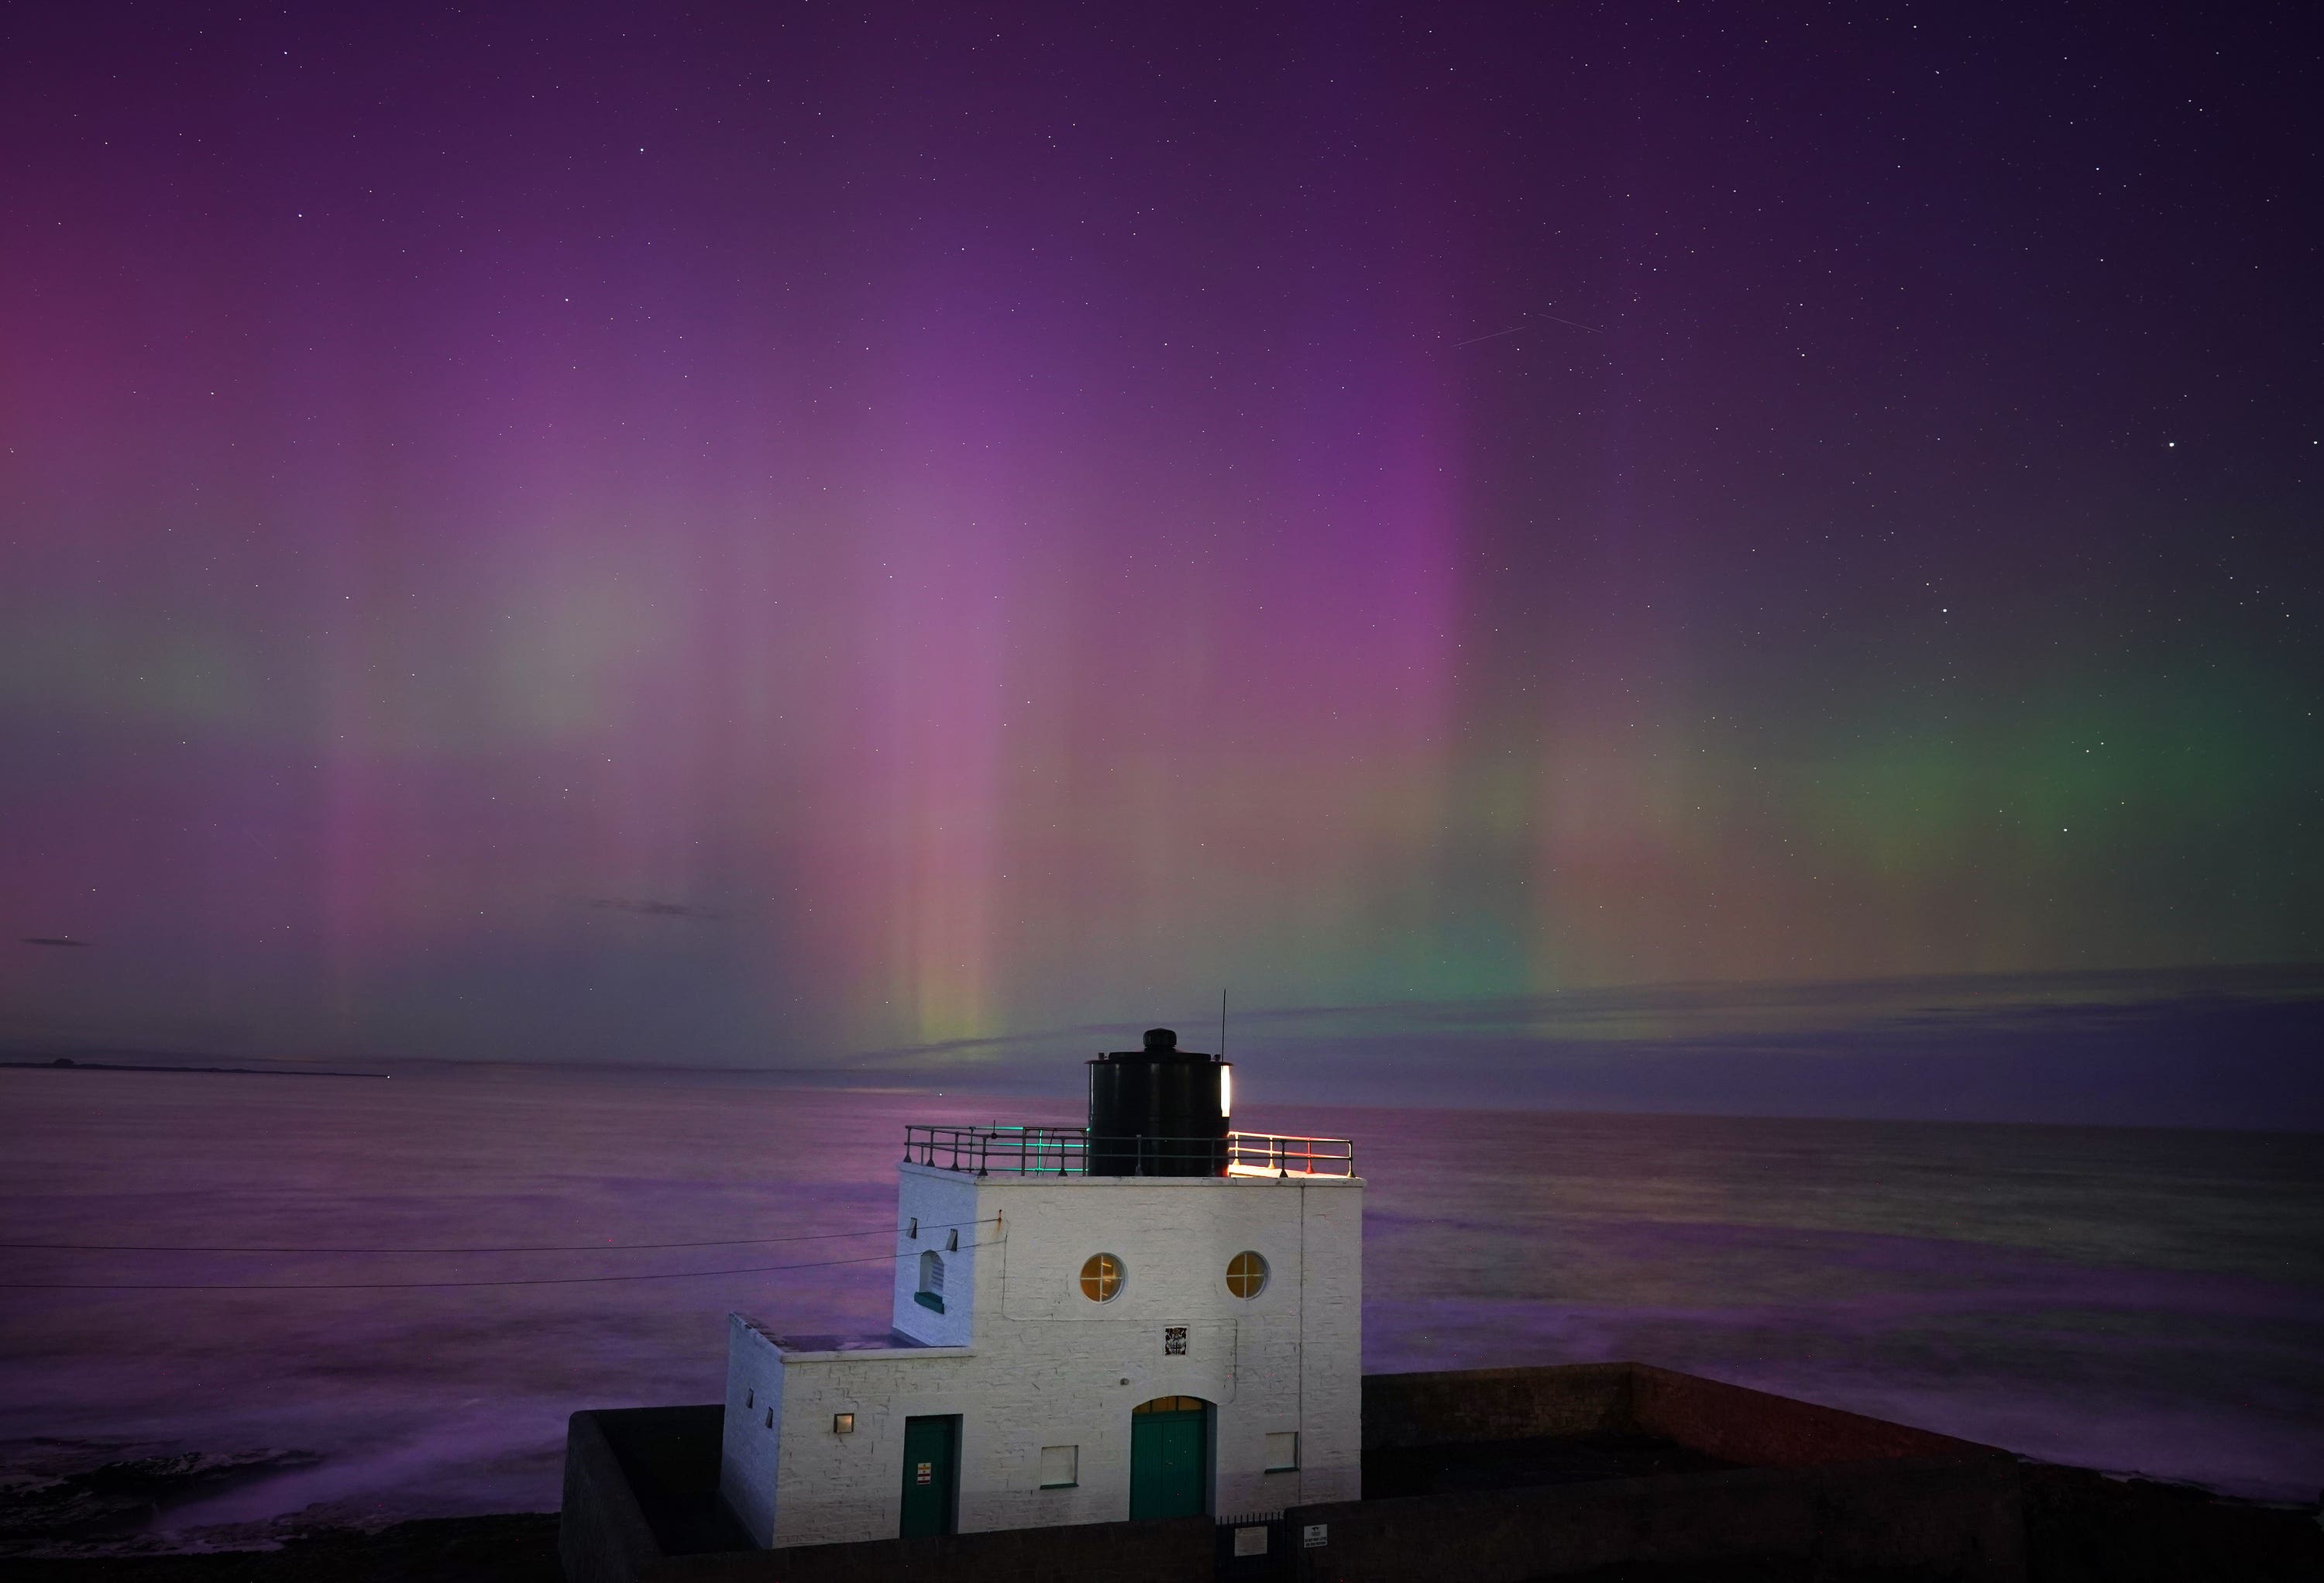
(808, 536)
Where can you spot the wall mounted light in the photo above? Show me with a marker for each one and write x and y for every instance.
(843, 1423)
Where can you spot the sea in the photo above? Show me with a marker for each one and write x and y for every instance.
(2143, 1301)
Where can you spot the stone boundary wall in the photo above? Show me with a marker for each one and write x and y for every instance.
(1929, 1520)
(1731, 1422)
(601, 1532)
(1822, 1491)
(1757, 1429)
(1466, 1405)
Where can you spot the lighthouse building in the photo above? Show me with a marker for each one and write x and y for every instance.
(1152, 1316)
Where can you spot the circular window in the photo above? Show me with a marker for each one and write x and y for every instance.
(1102, 1278)
(1246, 1274)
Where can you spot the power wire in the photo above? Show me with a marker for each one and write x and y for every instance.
(580, 1247)
(430, 1285)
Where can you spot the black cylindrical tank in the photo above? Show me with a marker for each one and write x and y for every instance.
(1159, 1111)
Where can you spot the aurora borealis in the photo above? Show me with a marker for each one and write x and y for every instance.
(745, 537)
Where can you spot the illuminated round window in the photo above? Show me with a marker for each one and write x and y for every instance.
(1246, 1274)
(1102, 1278)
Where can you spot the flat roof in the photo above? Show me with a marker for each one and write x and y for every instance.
(1235, 1177)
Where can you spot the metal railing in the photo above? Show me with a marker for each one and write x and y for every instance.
(1278, 1153)
(1011, 1150)
(1254, 1547)
(1047, 1151)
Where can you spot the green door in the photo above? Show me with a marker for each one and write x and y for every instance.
(930, 1447)
(1169, 1452)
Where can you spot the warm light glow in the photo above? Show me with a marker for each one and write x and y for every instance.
(1226, 1089)
(1102, 1278)
(1170, 1404)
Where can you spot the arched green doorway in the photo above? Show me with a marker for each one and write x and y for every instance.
(1170, 1458)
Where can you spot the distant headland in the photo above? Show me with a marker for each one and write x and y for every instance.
(67, 1063)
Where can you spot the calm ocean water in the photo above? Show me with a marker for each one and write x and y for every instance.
(2140, 1300)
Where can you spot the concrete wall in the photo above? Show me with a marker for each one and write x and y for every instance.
(1930, 1521)
(1731, 1423)
(1046, 1366)
(1821, 1488)
(1460, 1405)
(1763, 1431)
(601, 1532)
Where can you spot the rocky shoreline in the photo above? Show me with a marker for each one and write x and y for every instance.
(515, 1548)
(91, 1510)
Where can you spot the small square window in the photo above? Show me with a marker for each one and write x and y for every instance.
(1283, 1452)
(1060, 1466)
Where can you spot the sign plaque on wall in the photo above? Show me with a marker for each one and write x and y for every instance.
(1315, 1535)
(1174, 1341)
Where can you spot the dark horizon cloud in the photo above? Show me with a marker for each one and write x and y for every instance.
(1724, 1008)
(2199, 1059)
(2239, 1048)
(2223, 1047)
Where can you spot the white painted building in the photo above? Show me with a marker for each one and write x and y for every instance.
(1071, 1347)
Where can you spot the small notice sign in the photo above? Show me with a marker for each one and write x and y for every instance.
(1315, 1535)
(928, 1473)
(1250, 1541)
(1174, 1341)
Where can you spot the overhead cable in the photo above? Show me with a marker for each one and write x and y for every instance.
(577, 1248)
(430, 1285)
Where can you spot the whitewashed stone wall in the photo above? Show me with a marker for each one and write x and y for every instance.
(754, 1422)
(1027, 1361)
(944, 1204)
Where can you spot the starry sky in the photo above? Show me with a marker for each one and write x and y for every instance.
(825, 537)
